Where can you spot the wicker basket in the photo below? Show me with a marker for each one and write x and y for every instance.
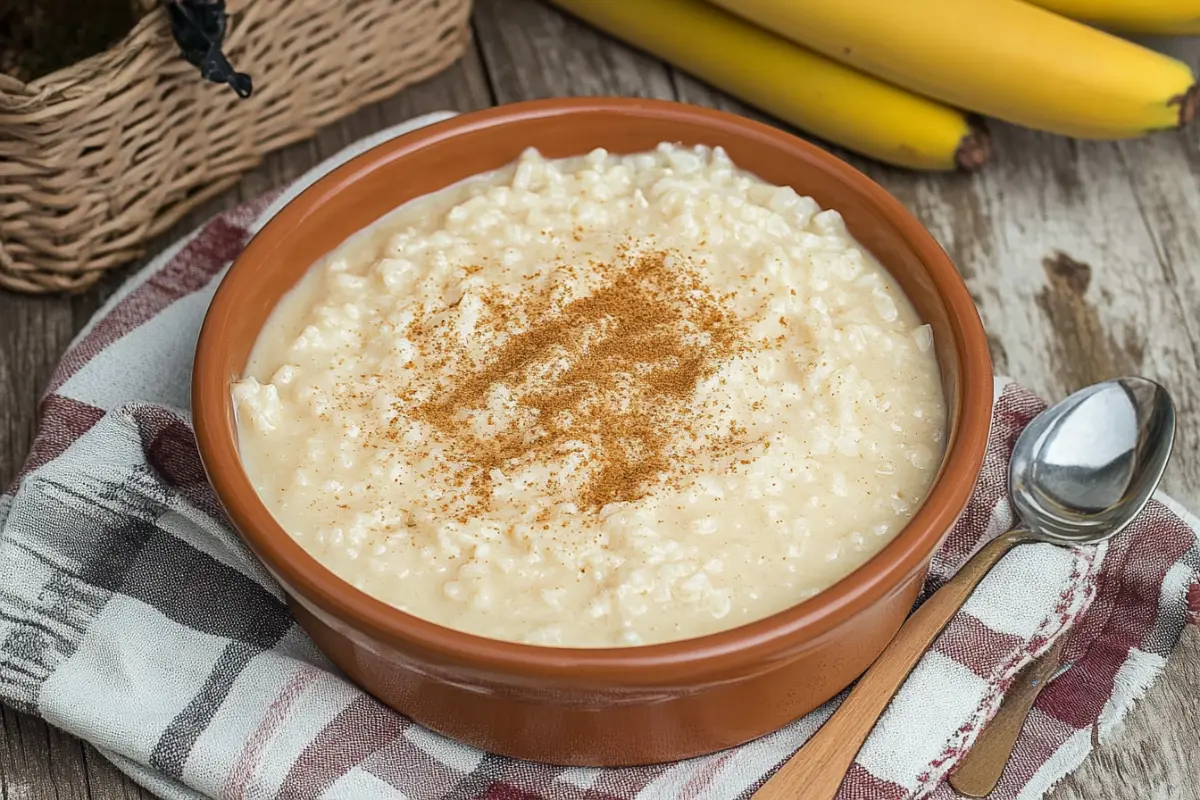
(98, 157)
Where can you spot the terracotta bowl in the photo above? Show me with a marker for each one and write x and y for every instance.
(595, 707)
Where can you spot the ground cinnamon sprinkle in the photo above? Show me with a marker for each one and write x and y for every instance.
(616, 370)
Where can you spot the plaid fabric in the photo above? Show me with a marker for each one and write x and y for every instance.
(131, 615)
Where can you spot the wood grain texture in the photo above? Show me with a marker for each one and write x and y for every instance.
(980, 770)
(1083, 258)
(816, 771)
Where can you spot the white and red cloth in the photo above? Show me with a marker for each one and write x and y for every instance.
(132, 616)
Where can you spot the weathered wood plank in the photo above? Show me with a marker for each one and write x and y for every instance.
(1067, 270)
(37, 761)
(1153, 755)
(531, 50)
(1126, 217)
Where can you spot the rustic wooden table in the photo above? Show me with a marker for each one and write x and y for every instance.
(1083, 258)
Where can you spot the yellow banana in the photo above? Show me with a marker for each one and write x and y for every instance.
(1167, 17)
(1004, 58)
(831, 101)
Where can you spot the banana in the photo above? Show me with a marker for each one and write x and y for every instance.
(1004, 58)
(1166, 17)
(831, 101)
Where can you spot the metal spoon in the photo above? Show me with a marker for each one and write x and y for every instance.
(1080, 472)
(981, 769)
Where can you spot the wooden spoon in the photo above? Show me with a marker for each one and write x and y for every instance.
(1080, 472)
(981, 768)
(817, 770)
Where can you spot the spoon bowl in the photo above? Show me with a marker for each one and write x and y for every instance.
(1084, 469)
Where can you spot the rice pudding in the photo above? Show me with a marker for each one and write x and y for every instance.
(594, 402)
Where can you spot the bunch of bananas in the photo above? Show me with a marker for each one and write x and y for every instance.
(901, 81)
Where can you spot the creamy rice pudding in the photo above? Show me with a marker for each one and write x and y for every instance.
(601, 401)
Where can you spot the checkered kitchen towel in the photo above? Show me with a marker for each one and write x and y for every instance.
(132, 616)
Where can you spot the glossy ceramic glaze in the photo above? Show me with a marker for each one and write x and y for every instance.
(610, 706)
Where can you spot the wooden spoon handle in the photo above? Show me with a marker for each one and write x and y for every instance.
(980, 771)
(816, 771)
